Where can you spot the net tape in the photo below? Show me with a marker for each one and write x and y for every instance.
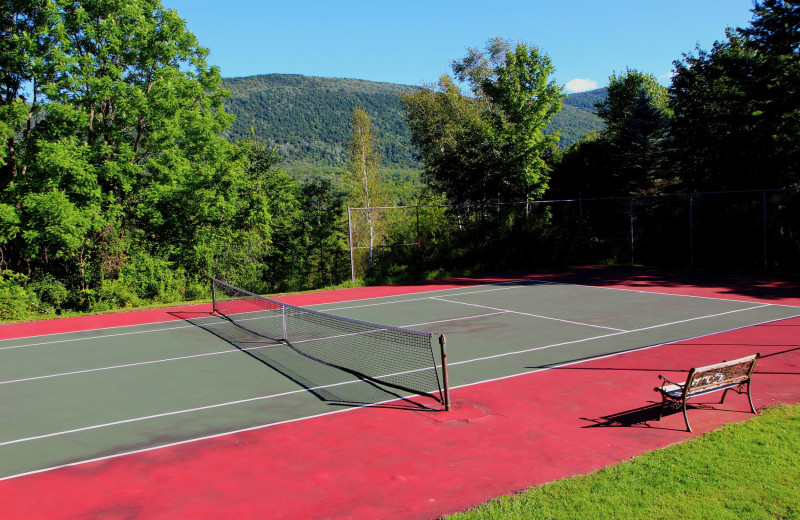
(397, 357)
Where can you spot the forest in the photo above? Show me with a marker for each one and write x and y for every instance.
(307, 119)
(127, 179)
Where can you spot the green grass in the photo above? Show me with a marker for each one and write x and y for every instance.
(749, 470)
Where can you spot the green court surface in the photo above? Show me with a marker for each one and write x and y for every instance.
(67, 398)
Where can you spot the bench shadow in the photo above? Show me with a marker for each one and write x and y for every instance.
(647, 416)
(634, 418)
(329, 384)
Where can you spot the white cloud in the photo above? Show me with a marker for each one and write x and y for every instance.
(580, 85)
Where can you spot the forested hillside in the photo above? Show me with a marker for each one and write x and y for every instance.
(308, 118)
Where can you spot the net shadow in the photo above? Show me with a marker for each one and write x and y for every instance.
(333, 385)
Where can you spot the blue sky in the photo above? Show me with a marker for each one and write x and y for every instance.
(413, 42)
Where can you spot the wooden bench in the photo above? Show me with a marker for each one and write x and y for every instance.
(730, 375)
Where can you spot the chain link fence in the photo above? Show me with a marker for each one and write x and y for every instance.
(746, 230)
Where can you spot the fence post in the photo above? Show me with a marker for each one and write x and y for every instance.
(691, 231)
(477, 237)
(581, 245)
(350, 242)
(419, 247)
(631, 217)
(764, 209)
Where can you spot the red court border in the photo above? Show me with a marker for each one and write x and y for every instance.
(501, 436)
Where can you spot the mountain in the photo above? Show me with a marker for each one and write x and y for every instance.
(308, 118)
(577, 117)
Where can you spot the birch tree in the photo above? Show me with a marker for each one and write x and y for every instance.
(367, 192)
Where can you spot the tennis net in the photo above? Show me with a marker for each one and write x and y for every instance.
(395, 357)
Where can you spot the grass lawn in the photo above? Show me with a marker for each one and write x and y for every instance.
(748, 470)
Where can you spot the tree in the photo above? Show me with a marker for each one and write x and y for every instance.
(640, 150)
(324, 234)
(631, 155)
(737, 112)
(488, 146)
(583, 169)
(108, 112)
(624, 92)
(367, 191)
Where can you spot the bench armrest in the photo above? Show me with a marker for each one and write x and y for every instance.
(665, 381)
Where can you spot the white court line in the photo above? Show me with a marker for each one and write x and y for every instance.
(528, 282)
(177, 309)
(104, 336)
(177, 327)
(241, 401)
(210, 407)
(409, 300)
(128, 365)
(618, 334)
(220, 352)
(289, 421)
(167, 414)
(640, 291)
(531, 315)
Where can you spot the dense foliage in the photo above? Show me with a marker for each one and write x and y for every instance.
(308, 119)
(729, 121)
(629, 156)
(116, 186)
(737, 108)
(490, 145)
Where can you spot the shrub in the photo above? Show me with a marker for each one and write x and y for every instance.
(16, 301)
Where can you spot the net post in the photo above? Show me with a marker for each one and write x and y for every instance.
(283, 323)
(445, 379)
(213, 297)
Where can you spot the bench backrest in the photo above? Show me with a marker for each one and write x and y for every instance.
(711, 377)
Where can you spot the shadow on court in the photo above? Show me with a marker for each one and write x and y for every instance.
(634, 418)
(765, 287)
(647, 416)
(333, 385)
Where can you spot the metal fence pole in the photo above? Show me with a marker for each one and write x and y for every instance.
(691, 230)
(764, 209)
(631, 217)
(419, 247)
(477, 237)
(350, 241)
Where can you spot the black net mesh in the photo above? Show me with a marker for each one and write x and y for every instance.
(395, 358)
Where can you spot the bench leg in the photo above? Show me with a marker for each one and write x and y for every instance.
(739, 390)
(685, 417)
(663, 404)
(752, 408)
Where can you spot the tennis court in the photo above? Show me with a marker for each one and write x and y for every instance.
(97, 394)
